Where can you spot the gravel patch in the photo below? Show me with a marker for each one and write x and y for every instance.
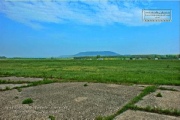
(14, 78)
(4, 86)
(72, 101)
(140, 115)
(169, 100)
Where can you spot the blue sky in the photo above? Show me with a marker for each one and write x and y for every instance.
(52, 29)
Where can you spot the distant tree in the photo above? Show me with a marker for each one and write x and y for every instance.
(2, 57)
(98, 56)
(178, 55)
(149, 57)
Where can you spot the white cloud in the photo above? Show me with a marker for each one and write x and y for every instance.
(103, 12)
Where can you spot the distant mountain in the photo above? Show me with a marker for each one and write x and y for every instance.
(66, 56)
(95, 53)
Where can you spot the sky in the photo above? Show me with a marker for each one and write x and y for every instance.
(52, 28)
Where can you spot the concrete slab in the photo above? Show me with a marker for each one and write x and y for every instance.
(169, 100)
(140, 115)
(171, 87)
(3, 86)
(72, 101)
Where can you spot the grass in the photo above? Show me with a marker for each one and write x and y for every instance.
(16, 97)
(130, 105)
(36, 83)
(85, 85)
(161, 72)
(19, 89)
(7, 88)
(12, 82)
(27, 101)
(51, 117)
(106, 71)
(99, 118)
(41, 82)
(173, 112)
(159, 95)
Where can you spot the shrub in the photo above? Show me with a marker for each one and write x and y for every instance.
(19, 89)
(16, 97)
(52, 117)
(159, 95)
(85, 85)
(27, 101)
(7, 88)
(99, 118)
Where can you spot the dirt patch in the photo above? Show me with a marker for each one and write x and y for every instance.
(72, 101)
(139, 115)
(80, 99)
(4, 86)
(169, 100)
(112, 85)
(14, 78)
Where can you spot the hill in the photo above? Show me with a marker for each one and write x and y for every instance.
(95, 53)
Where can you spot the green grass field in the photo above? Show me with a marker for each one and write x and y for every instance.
(110, 71)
